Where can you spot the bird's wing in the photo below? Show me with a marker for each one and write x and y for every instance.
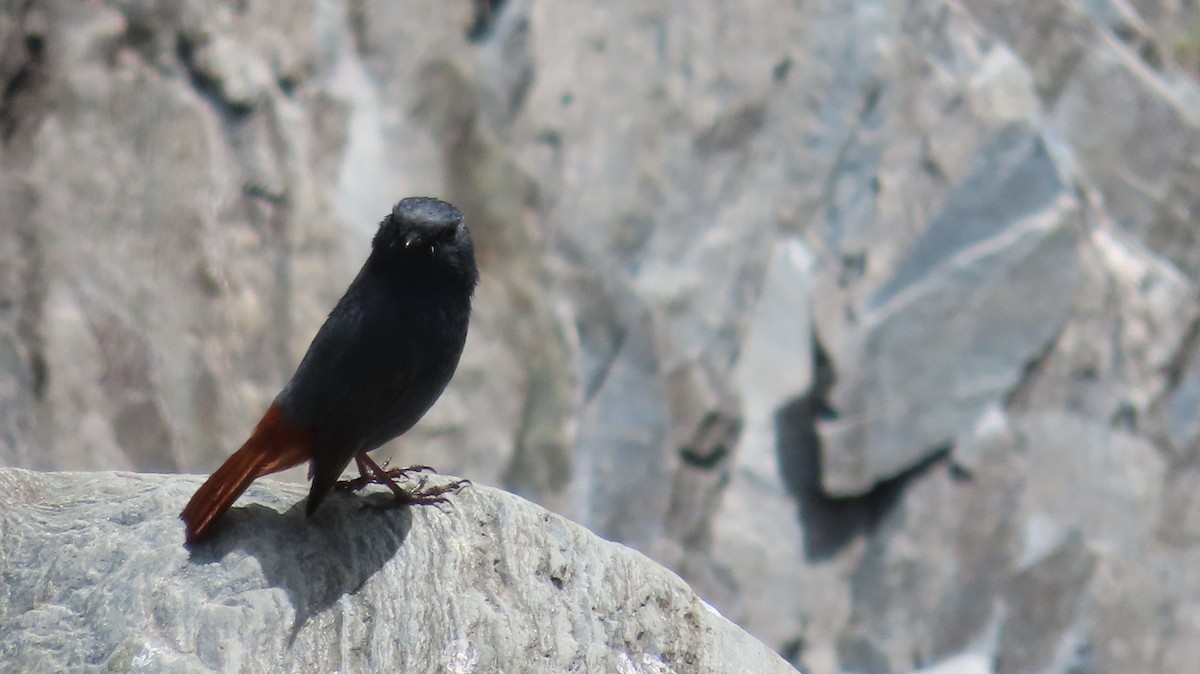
(358, 385)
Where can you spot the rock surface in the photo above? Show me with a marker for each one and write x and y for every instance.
(876, 320)
(96, 575)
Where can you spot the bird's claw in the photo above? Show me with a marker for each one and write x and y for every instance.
(362, 481)
(423, 495)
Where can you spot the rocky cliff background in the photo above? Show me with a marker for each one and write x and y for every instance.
(876, 320)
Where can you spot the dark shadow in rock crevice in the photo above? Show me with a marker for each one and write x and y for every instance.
(830, 523)
(486, 14)
(315, 561)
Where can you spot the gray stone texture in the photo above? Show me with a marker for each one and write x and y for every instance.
(97, 579)
(876, 320)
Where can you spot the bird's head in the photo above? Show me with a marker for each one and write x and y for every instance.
(427, 234)
(419, 222)
(424, 229)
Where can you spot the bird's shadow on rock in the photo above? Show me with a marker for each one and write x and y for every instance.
(314, 560)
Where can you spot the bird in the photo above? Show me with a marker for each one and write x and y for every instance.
(382, 358)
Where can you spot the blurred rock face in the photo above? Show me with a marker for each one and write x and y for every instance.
(875, 320)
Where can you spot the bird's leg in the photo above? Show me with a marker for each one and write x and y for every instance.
(420, 495)
(357, 483)
(371, 473)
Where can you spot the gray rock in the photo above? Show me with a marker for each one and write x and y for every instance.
(96, 575)
(1117, 87)
(1003, 237)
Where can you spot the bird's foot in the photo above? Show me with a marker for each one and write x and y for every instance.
(423, 494)
(386, 478)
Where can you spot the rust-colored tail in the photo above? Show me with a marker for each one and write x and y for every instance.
(274, 445)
